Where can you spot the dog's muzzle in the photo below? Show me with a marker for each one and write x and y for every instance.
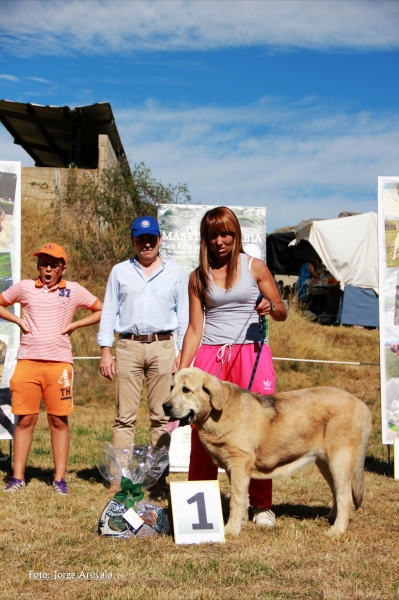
(167, 408)
(187, 419)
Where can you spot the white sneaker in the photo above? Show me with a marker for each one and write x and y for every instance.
(264, 517)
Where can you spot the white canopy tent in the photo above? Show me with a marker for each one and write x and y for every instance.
(347, 247)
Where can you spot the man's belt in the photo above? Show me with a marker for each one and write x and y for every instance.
(147, 338)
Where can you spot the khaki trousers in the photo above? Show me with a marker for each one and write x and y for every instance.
(134, 361)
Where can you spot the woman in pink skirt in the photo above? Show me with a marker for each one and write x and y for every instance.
(224, 289)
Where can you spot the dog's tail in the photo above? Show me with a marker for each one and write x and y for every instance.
(358, 471)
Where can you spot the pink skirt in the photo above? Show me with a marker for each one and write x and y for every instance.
(237, 370)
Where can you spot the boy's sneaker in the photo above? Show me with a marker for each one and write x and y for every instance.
(15, 485)
(60, 487)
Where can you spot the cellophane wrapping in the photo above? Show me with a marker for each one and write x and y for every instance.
(135, 468)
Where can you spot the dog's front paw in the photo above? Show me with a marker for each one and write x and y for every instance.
(232, 529)
(332, 532)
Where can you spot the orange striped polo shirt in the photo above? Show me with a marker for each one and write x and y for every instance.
(47, 312)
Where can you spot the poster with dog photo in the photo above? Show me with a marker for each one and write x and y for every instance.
(10, 273)
(388, 225)
(391, 222)
(180, 228)
(3, 353)
(8, 187)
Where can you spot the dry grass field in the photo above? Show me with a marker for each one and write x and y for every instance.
(41, 533)
(296, 559)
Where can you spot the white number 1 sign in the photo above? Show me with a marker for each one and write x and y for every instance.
(197, 512)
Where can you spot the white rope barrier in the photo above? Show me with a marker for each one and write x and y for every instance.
(308, 360)
(330, 362)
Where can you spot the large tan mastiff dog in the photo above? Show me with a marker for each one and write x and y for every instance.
(262, 437)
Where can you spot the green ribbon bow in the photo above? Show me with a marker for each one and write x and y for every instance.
(130, 493)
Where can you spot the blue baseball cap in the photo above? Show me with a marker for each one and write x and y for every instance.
(145, 225)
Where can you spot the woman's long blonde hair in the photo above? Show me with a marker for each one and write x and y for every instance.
(217, 221)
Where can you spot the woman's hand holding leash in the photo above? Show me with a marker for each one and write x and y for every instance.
(271, 304)
(263, 306)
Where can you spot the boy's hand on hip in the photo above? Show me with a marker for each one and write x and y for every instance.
(23, 326)
(68, 330)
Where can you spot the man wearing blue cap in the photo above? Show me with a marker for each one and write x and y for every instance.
(145, 301)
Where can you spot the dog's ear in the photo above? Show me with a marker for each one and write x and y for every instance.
(214, 389)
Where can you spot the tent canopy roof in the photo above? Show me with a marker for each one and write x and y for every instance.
(58, 136)
(348, 247)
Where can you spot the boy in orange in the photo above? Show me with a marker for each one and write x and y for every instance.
(44, 357)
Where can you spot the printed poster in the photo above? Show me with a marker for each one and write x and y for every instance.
(388, 235)
(180, 228)
(10, 273)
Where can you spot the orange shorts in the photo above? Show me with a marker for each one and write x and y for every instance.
(34, 379)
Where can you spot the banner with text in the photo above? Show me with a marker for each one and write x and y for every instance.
(10, 273)
(388, 236)
(180, 228)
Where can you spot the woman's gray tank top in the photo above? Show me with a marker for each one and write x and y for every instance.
(226, 312)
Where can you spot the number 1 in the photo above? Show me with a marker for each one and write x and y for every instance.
(202, 518)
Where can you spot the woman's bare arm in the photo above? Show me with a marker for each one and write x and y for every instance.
(193, 336)
(268, 288)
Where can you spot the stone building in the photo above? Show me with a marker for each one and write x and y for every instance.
(59, 139)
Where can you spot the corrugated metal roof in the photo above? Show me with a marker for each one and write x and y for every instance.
(58, 136)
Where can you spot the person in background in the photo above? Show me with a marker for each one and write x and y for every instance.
(224, 290)
(44, 358)
(146, 300)
(307, 272)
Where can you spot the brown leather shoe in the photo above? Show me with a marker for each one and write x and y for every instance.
(113, 488)
(160, 489)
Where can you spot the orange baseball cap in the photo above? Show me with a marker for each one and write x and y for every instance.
(52, 250)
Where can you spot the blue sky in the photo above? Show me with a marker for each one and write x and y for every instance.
(291, 105)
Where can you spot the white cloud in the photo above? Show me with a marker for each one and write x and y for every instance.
(16, 79)
(119, 26)
(39, 79)
(301, 160)
(300, 164)
(9, 78)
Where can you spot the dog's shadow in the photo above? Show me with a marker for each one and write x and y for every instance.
(294, 511)
(301, 511)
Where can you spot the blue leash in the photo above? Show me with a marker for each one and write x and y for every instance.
(263, 335)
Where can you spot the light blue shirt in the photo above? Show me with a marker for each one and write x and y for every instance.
(135, 304)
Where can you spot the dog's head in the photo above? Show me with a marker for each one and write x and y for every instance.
(194, 394)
